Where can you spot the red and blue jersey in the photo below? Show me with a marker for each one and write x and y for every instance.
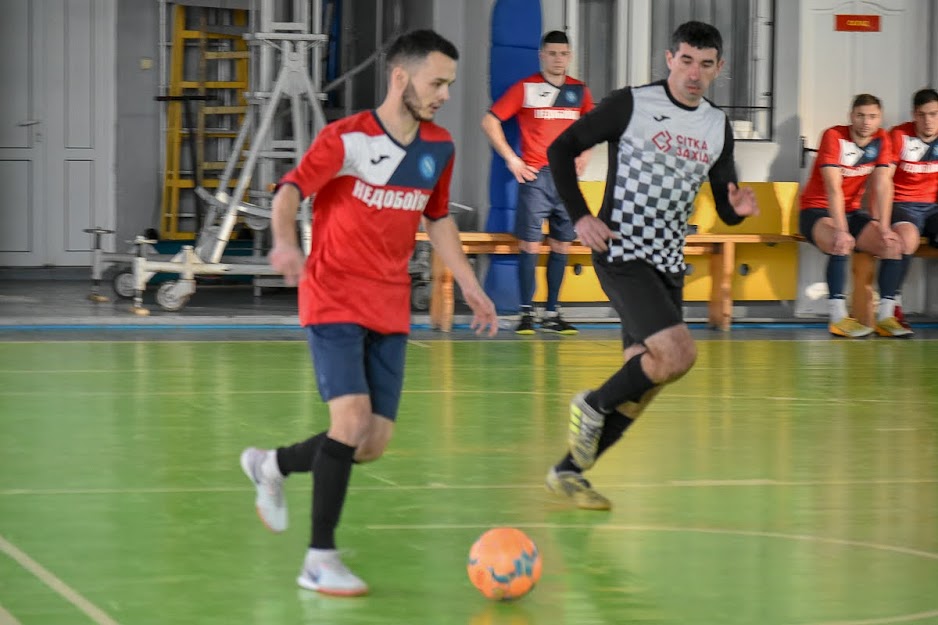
(544, 111)
(916, 175)
(370, 193)
(837, 149)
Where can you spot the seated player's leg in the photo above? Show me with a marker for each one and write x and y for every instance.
(908, 222)
(533, 208)
(930, 229)
(870, 239)
(819, 229)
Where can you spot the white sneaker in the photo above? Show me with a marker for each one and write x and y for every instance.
(324, 571)
(271, 503)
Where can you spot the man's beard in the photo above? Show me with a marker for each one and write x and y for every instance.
(412, 104)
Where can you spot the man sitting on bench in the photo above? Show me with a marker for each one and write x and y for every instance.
(915, 177)
(831, 218)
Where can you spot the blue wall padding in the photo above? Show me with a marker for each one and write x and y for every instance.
(516, 38)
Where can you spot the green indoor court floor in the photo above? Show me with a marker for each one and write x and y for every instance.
(781, 482)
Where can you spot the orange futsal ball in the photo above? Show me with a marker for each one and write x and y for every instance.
(504, 563)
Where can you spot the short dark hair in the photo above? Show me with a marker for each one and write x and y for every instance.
(697, 35)
(923, 97)
(417, 45)
(554, 36)
(865, 99)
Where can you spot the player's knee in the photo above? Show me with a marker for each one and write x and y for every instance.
(684, 357)
(671, 363)
(368, 453)
(531, 247)
(561, 247)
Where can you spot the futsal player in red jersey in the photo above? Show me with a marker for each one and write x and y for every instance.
(374, 176)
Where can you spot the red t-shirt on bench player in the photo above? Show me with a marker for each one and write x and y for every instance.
(856, 164)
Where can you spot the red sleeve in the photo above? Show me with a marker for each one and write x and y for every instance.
(587, 101)
(510, 103)
(438, 206)
(322, 161)
(828, 153)
(895, 140)
(886, 155)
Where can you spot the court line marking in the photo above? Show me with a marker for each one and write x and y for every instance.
(391, 485)
(616, 527)
(6, 618)
(561, 393)
(92, 611)
(905, 618)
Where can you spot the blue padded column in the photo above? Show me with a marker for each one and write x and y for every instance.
(516, 38)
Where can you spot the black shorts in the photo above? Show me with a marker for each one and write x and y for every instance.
(647, 300)
(856, 222)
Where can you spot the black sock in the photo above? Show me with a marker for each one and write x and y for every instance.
(890, 273)
(836, 276)
(906, 261)
(614, 427)
(299, 457)
(332, 469)
(628, 384)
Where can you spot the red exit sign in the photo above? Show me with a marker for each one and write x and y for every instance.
(857, 23)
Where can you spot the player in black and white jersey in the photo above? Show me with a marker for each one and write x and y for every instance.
(664, 140)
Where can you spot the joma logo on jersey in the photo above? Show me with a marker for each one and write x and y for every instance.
(415, 200)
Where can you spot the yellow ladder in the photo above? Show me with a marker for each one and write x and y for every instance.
(208, 71)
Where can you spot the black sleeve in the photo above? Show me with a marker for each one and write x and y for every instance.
(722, 173)
(606, 122)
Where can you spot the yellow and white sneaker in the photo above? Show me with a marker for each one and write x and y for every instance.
(892, 328)
(850, 328)
(572, 485)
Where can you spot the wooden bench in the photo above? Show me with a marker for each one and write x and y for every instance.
(863, 269)
(721, 248)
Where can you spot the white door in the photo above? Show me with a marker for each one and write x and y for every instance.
(21, 133)
(57, 71)
(835, 66)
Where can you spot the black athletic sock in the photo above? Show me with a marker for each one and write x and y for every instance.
(614, 427)
(299, 457)
(332, 469)
(890, 273)
(906, 261)
(628, 384)
(836, 276)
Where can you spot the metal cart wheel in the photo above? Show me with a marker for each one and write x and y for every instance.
(169, 299)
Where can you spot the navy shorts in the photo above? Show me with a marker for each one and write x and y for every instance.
(352, 360)
(916, 213)
(856, 222)
(538, 200)
(647, 300)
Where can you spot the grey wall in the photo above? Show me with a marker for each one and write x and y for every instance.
(466, 24)
(139, 185)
